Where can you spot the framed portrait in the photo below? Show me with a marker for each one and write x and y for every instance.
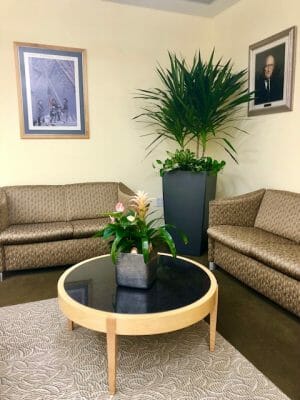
(52, 91)
(271, 73)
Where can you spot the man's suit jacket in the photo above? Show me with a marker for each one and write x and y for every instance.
(267, 91)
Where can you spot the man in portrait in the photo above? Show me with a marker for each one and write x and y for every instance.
(269, 83)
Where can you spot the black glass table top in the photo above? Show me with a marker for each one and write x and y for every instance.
(178, 284)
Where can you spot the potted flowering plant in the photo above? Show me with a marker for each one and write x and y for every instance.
(134, 240)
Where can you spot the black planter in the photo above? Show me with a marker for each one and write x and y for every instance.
(186, 197)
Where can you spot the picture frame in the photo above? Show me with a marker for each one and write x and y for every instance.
(52, 91)
(271, 73)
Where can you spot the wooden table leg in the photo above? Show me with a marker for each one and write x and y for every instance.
(70, 325)
(213, 323)
(111, 339)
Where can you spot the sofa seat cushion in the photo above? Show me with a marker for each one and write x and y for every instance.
(87, 227)
(35, 233)
(280, 253)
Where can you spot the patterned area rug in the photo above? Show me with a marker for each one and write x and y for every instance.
(41, 360)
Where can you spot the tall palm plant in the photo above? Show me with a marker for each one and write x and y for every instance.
(197, 103)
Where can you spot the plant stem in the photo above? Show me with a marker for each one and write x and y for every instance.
(198, 146)
(204, 141)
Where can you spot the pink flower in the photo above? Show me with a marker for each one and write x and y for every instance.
(120, 207)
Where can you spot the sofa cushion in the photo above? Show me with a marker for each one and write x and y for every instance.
(279, 213)
(34, 233)
(277, 286)
(34, 204)
(87, 227)
(90, 200)
(278, 252)
(61, 252)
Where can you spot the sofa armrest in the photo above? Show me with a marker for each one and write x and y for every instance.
(124, 195)
(238, 210)
(4, 221)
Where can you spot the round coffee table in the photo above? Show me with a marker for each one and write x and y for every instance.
(183, 294)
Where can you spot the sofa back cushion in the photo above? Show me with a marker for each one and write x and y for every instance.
(90, 200)
(33, 204)
(279, 213)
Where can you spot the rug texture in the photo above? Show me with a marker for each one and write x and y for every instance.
(41, 360)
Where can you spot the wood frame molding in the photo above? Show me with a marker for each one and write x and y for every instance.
(24, 135)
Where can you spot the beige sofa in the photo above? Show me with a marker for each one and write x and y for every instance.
(43, 226)
(256, 238)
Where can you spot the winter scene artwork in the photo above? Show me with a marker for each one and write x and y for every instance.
(52, 92)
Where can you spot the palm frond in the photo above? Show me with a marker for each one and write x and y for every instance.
(196, 102)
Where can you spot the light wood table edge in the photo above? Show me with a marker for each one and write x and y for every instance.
(138, 324)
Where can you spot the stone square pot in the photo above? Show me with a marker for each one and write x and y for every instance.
(132, 271)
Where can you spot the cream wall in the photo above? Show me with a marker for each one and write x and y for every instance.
(123, 46)
(270, 155)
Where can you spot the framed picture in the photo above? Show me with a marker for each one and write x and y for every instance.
(271, 73)
(52, 91)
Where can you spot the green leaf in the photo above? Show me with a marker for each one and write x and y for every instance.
(115, 249)
(229, 144)
(183, 236)
(231, 155)
(165, 235)
(186, 160)
(108, 232)
(145, 248)
(99, 233)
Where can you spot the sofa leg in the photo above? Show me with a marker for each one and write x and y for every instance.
(212, 266)
(1, 276)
